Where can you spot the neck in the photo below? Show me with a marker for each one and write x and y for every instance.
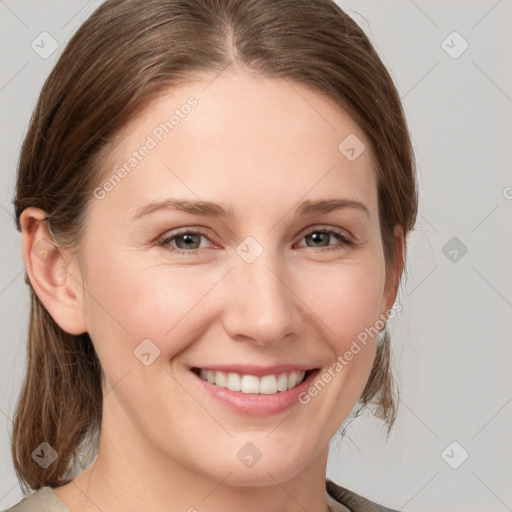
(130, 474)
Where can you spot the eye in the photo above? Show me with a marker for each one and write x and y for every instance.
(186, 238)
(322, 237)
(188, 241)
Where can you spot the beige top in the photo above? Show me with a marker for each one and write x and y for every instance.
(339, 499)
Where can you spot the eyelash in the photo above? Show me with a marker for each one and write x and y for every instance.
(165, 242)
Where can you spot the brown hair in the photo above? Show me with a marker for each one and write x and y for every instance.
(122, 57)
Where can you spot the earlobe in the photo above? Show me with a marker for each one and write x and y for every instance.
(49, 274)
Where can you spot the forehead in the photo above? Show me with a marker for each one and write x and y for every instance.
(235, 137)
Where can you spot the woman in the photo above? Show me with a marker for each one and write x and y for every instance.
(214, 198)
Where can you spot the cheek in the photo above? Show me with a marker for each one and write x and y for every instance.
(131, 302)
(347, 301)
(347, 298)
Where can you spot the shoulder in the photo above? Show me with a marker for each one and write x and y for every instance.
(45, 500)
(354, 502)
(42, 500)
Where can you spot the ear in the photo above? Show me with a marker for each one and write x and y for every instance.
(49, 270)
(393, 273)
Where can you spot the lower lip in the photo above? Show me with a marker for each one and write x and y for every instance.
(256, 404)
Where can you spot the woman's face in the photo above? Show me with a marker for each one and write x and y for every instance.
(260, 289)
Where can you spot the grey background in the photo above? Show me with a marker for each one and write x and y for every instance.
(452, 341)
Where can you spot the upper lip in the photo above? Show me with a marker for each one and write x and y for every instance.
(257, 371)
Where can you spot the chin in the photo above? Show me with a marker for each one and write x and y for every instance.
(262, 473)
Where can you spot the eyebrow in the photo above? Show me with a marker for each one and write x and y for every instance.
(328, 205)
(216, 210)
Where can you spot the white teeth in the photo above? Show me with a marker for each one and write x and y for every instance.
(292, 379)
(221, 379)
(249, 383)
(267, 385)
(282, 382)
(233, 382)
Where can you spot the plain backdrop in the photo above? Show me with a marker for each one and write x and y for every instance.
(450, 449)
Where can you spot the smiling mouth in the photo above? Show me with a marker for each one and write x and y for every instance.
(265, 385)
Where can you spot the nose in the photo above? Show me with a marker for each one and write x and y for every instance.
(261, 305)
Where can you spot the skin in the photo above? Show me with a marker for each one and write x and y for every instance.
(165, 444)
